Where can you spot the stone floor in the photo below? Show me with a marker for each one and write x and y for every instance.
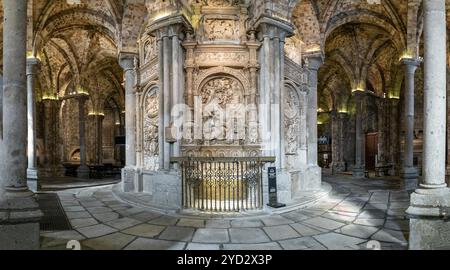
(355, 212)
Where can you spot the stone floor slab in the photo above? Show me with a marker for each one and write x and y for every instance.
(96, 230)
(82, 222)
(267, 246)
(153, 244)
(246, 223)
(336, 241)
(303, 243)
(123, 223)
(281, 232)
(324, 223)
(176, 233)
(164, 221)
(305, 230)
(145, 230)
(188, 222)
(359, 231)
(196, 246)
(391, 236)
(211, 236)
(248, 235)
(115, 241)
(276, 220)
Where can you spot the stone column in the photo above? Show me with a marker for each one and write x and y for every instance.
(338, 130)
(129, 176)
(409, 172)
(381, 157)
(393, 135)
(429, 226)
(32, 172)
(83, 170)
(315, 61)
(359, 168)
(19, 212)
(98, 124)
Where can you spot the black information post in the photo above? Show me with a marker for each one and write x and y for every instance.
(273, 200)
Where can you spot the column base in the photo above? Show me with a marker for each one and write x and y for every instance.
(313, 178)
(83, 172)
(338, 167)
(410, 178)
(33, 180)
(359, 172)
(130, 180)
(429, 226)
(19, 221)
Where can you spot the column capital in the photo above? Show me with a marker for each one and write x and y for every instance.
(33, 64)
(411, 64)
(273, 28)
(359, 93)
(170, 26)
(127, 60)
(314, 60)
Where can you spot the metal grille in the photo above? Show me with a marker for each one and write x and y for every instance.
(222, 184)
(54, 218)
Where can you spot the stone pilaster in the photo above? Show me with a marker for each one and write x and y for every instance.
(409, 172)
(429, 228)
(83, 170)
(359, 168)
(19, 212)
(32, 171)
(170, 33)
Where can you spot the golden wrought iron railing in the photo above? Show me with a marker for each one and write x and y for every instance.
(222, 184)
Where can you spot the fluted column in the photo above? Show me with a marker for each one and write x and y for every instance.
(32, 172)
(359, 168)
(19, 212)
(409, 172)
(429, 228)
(83, 170)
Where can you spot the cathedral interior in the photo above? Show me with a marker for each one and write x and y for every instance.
(224, 124)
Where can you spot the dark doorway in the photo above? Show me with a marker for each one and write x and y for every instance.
(371, 150)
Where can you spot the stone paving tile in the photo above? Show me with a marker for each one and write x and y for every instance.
(324, 223)
(129, 211)
(123, 223)
(105, 217)
(246, 223)
(372, 214)
(164, 221)
(145, 230)
(92, 204)
(219, 224)
(211, 236)
(305, 230)
(370, 222)
(295, 216)
(376, 206)
(153, 244)
(336, 241)
(115, 241)
(73, 208)
(189, 222)
(281, 232)
(399, 205)
(196, 246)
(391, 236)
(82, 214)
(303, 243)
(341, 217)
(359, 231)
(266, 246)
(82, 222)
(177, 233)
(60, 238)
(276, 220)
(98, 210)
(248, 235)
(96, 230)
(146, 216)
(397, 213)
(398, 225)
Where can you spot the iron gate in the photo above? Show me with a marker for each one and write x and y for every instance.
(222, 184)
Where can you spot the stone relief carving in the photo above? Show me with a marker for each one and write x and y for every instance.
(222, 3)
(150, 50)
(221, 29)
(292, 121)
(224, 58)
(217, 95)
(151, 143)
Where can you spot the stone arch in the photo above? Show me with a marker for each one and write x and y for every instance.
(225, 71)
